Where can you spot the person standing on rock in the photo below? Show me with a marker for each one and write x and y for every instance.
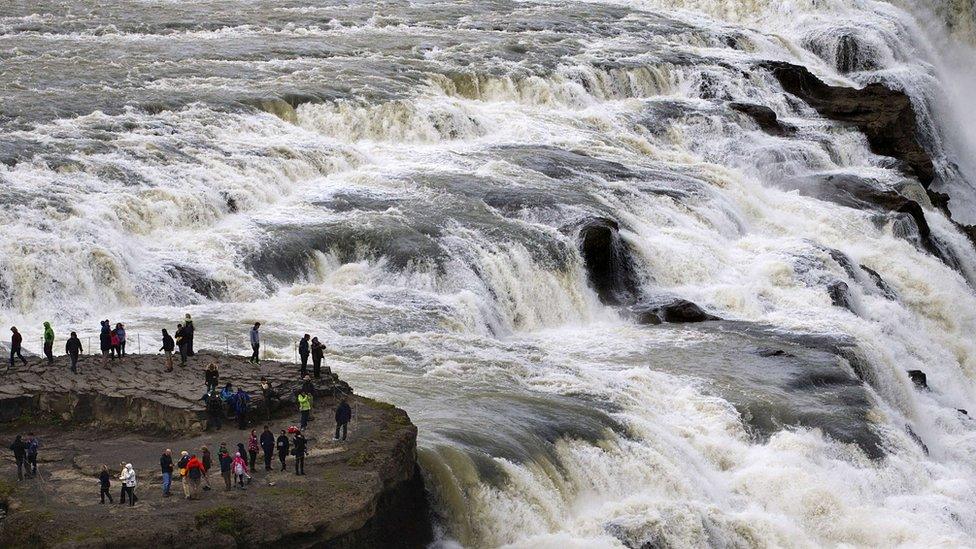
(268, 394)
(300, 450)
(256, 343)
(267, 446)
(212, 377)
(105, 341)
(194, 472)
(181, 464)
(343, 416)
(49, 342)
(120, 335)
(215, 410)
(105, 485)
(166, 465)
(207, 460)
(128, 479)
(225, 464)
(180, 336)
(304, 408)
(19, 448)
(318, 353)
(73, 348)
(252, 448)
(33, 443)
(241, 401)
(167, 349)
(303, 352)
(189, 329)
(16, 340)
(116, 349)
(282, 446)
(239, 467)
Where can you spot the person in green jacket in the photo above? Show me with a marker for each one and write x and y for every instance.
(305, 407)
(49, 342)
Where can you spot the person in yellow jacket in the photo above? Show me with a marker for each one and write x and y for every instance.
(305, 407)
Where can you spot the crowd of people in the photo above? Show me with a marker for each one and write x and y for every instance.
(194, 468)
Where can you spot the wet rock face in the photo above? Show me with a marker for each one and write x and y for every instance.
(765, 118)
(886, 116)
(669, 309)
(608, 262)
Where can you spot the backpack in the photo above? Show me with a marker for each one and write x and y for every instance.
(195, 473)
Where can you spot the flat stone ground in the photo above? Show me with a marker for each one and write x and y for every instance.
(61, 505)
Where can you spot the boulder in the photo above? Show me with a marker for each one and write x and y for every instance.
(885, 116)
(608, 261)
(918, 378)
(765, 118)
(671, 310)
(840, 294)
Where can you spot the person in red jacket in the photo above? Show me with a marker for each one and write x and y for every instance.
(195, 471)
(15, 341)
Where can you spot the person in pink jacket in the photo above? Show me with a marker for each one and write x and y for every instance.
(239, 468)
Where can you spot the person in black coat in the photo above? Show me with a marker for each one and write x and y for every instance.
(318, 353)
(267, 446)
(16, 340)
(343, 416)
(300, 450)
(168, 346)
(303, 351)
(73, 348)
(105, 341)
(19, 448)
(283, 445)
(104, 485)
(215, 410)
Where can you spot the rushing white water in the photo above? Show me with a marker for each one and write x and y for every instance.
(405, 180)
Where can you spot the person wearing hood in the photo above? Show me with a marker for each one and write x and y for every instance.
(225, 464)
(73, 348)
(252, 448)
(227, 393)
(267, 446)
(33, 444)
(16, 340)
(239, 467)
(241, 403)
(181, 464)
(19, 448)
(300, 450)
(105, 485)
(282, 447)
(188, 330)
(303, 352)
(256, 343)
(168, 346)
(195, 472)
(128, 478)
(120, 336)
(116, 348)
(318, 353)
(49, 342)
(215, 410)
(304, 408)
(343, 416)
(166, 465)
(105, 341)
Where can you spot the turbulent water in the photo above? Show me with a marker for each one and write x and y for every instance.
(406, 180)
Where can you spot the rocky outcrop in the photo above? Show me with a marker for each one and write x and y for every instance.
(609, 266)
(669, 309)
(885, 116)
(765, 118)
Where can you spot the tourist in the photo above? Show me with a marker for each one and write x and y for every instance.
(122, 492)
(241, 401)
(207, 460)
(104, 485)
(268, 393)
(181, 464)
(318, 352)
(120, 335)
(215, 410)
(19, 448)
(239, 467)
(212, 376)
(256, 342)
(252, 448)
(308, 386)
(168, 346)
(343, 415)
(105, 341)
(282, 447)
(195, 473)
(128, 478)
(74, 350)
(225, 463)
(267, 446)
(300, 451)
(180, 337)
(303, 351)
(32, 445)
(304, 408)
(15, 342)
(227, 394)
(49, 342)
(166, 465)
(115, 347)
(188, 330)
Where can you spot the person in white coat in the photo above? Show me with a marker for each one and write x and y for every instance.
(128, 478)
